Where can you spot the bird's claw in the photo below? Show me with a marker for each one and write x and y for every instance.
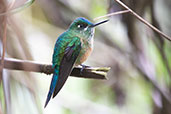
(83, 67)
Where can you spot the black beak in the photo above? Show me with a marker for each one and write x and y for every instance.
(96, 24)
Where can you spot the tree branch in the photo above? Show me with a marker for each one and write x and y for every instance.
(91, 72)
(112, 14)
(144, 21)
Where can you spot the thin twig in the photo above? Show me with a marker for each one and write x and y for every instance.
(12, 11)
(112, 14)
(92, 72)
(144, 21)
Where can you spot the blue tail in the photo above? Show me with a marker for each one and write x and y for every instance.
(52, 88)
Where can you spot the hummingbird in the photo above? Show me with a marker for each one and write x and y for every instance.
(72, 48)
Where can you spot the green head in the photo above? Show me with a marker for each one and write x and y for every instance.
(83, 27)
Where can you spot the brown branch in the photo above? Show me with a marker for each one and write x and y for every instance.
(112, 14)
(144, 21)
(91, 72)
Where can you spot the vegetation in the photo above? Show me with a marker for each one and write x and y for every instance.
(139, 81)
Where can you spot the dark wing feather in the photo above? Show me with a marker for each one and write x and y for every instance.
(66, 65)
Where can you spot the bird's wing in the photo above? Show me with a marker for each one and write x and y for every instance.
(59, 50)
(64, 57)
(70, 55)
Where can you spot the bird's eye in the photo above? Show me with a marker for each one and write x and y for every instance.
(82, 25)
(79, 26)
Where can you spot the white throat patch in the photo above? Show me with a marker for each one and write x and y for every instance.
(85, 28)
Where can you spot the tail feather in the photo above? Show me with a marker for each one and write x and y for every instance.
(48, 99)
(52, 88)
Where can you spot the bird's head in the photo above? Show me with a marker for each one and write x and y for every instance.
(83, 27)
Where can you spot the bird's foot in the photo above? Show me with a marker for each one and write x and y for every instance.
(83, 67)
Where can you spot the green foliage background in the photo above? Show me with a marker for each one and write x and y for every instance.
(136, 55)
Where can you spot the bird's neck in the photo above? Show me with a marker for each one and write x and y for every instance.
(86, 39)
